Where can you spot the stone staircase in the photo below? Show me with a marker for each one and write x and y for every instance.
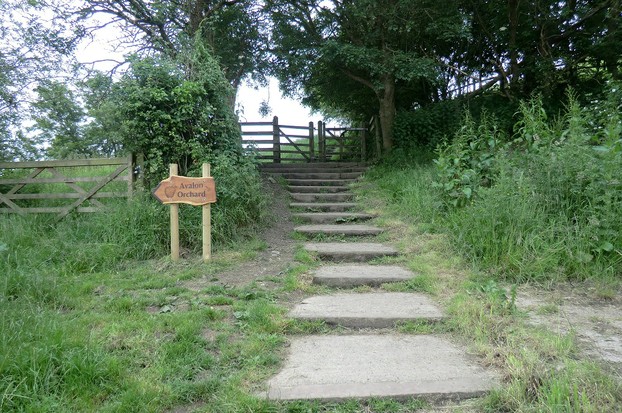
(375, 361)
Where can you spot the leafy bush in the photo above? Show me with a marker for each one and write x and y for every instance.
(468, 161)
(555, 204)
(172, 111)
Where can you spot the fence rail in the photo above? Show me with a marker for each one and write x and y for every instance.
(274, 142)
(48, 175)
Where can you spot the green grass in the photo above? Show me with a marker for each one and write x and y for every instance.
(541, 371)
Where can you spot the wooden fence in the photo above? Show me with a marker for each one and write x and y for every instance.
(278, 143)
(53, 178)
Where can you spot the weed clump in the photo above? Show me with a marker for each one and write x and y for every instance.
(545, 203)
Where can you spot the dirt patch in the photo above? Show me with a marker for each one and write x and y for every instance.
(274, 260)
(596, 322)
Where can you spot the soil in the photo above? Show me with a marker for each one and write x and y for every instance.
(272, 261)
(577, 309)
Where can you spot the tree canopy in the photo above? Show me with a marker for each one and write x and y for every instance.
(349, 59)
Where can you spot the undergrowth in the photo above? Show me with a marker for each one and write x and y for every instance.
(543, 204)
(535, 206)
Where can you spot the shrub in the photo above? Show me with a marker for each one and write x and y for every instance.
(555, 204)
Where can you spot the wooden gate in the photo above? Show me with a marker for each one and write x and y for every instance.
(278, 143)
(25, 185)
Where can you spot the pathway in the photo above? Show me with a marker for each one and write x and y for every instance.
(375, 361)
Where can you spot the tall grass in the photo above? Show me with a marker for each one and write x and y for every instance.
(53, 356)
(543, 204)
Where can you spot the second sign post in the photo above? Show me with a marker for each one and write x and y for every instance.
(194, 191)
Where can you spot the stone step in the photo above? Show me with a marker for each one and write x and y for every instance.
(344, 276)
(368, 310)
(321, 170)
(317, 189)
(349, 251)
(340, 367)
(324, 206)
(321, 175)
(313, 165)
(332, 217)
(320, 182)
(338, 229)
(337, 197)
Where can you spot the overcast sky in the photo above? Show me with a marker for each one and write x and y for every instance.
(248, 100)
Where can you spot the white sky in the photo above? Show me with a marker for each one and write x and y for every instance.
(248, 100)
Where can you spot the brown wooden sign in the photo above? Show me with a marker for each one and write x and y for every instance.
(183, 190)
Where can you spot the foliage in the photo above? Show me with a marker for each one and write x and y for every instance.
(353, 54)
(554, 199)
(36, 42)
(432, 124)
(58, 120)
(174, 117)
(468, 162)
(231, 30)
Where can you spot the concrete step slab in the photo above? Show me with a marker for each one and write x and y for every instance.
(321, 175)
(368, 310)
(338, 197)
(344, 276)
(350, 251)
(336, 368)
(338, 229)
(316, 170)
(320, 182)
(317, 189)
(324, 206)
(312, 165)
(333, 217)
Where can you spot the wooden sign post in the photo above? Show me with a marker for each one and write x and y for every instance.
(193, 191)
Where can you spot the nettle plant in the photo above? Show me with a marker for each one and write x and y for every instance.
(468, 162)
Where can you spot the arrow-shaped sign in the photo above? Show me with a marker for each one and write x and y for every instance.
(183, 190)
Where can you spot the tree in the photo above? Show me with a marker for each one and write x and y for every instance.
(36, 41)
(543, 45)
(376, 45)
(174, 116)
(232, 29)
(58, 120)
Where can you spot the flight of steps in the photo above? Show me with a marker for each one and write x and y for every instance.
(375, 361)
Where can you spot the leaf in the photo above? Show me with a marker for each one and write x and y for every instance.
(4, 247)
(606, 246)
(467, 191)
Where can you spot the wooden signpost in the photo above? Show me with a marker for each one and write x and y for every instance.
(177, 190)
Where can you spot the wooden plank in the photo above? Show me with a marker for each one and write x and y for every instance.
(255, 123)
(304, 145)
(294, 127)
(66, 195)
(305, 137)
(93, 190)
(71, 185)
(33, 174)
(14, 181)
(50, 210)
(64, 163)
(257, 133)
(16, 208)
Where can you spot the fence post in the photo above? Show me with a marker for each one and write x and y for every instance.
(311, 143)
(276, 140)
(363, 142)
(378, 137)
(321, 141)
(131, 182)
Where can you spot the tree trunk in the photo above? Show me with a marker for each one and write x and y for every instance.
(386, 99)
(513, 23)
